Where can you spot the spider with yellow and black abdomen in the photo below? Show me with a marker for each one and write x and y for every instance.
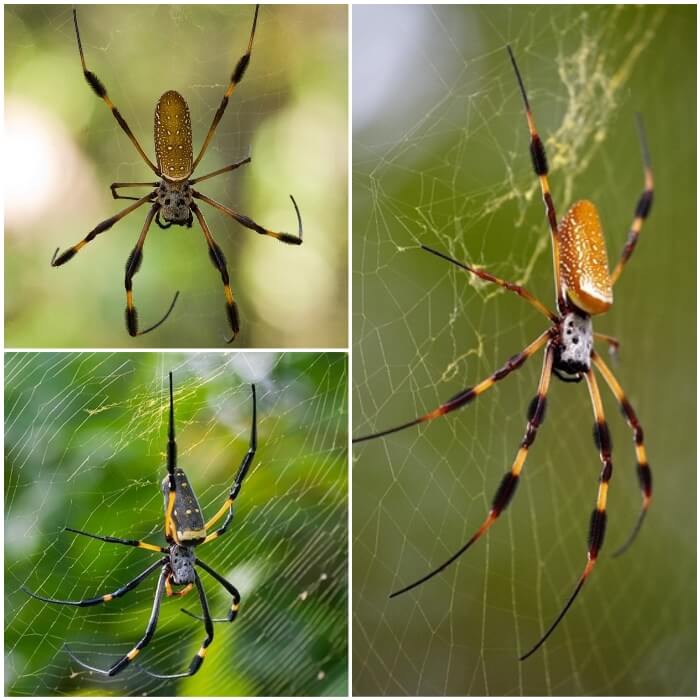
(584, 288)
(184, 530)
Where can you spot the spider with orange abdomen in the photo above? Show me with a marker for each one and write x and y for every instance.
(174, 195)
(583, 285)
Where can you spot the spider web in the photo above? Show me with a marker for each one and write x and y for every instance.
(441, 158)
(85, 447)
(289, 114)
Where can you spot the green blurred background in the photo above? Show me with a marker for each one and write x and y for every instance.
(85, 447)
(64, 149)
(441, 157)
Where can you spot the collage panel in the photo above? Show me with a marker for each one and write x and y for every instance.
(192, 259)
(87, 464)
(449, 178)
(513, 301)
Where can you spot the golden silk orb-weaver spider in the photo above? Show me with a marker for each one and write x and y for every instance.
(583, 289)
(174, 195)
(184, 530)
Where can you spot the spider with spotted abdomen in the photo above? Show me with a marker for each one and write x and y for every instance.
(583, 285)
(185, 530)
(174, 195)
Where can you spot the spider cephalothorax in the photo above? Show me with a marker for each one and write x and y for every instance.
(182, 560)
(583, 285)
(184, 530)
(574, 344)
(173, 200)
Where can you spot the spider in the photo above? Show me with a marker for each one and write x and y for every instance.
(583, 289)
(184, 530)
(174, 195)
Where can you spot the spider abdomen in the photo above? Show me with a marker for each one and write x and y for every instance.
(172, 135)
(187, 515)
(583, 259)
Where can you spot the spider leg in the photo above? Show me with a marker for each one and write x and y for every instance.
(469, 394)
(506, 490)
(643, 471)
(119, 540)
(143, 642)
(613, 344)
(598, 517)
(219, 261)
(487, 276)
(100, 228)
(178, 594)
(240, 475)
(101, 91)
(103, 598)
(643, 205)
(222, 529)
(160, 223)
(118, 185)
(236, 602)
(249, 223)
(133, 264)
(171, 463)
(539, 164)
(236, 77)
(209, 629)
(227, 169)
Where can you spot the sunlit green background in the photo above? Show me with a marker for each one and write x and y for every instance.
(85, 447)
(64, 149)
(441, 157)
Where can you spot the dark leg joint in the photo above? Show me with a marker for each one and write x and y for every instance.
(530, 435)
(504, 494)
(596, 533)
(232, 313)
(240, 69)
(601, 436)
(132, 321)
(644, 474)
(289, 238)
(120, 120)
(462, 398)
(218, 260)
(536, 410)
(196, 663)
(103, 226)
(95, 83)
(539, 158)
(63, 257)
(133, 264)
(221, 110)
(644, 204)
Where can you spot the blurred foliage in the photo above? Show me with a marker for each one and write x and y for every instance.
(85, 447)
(65, 148)
(455, 173)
